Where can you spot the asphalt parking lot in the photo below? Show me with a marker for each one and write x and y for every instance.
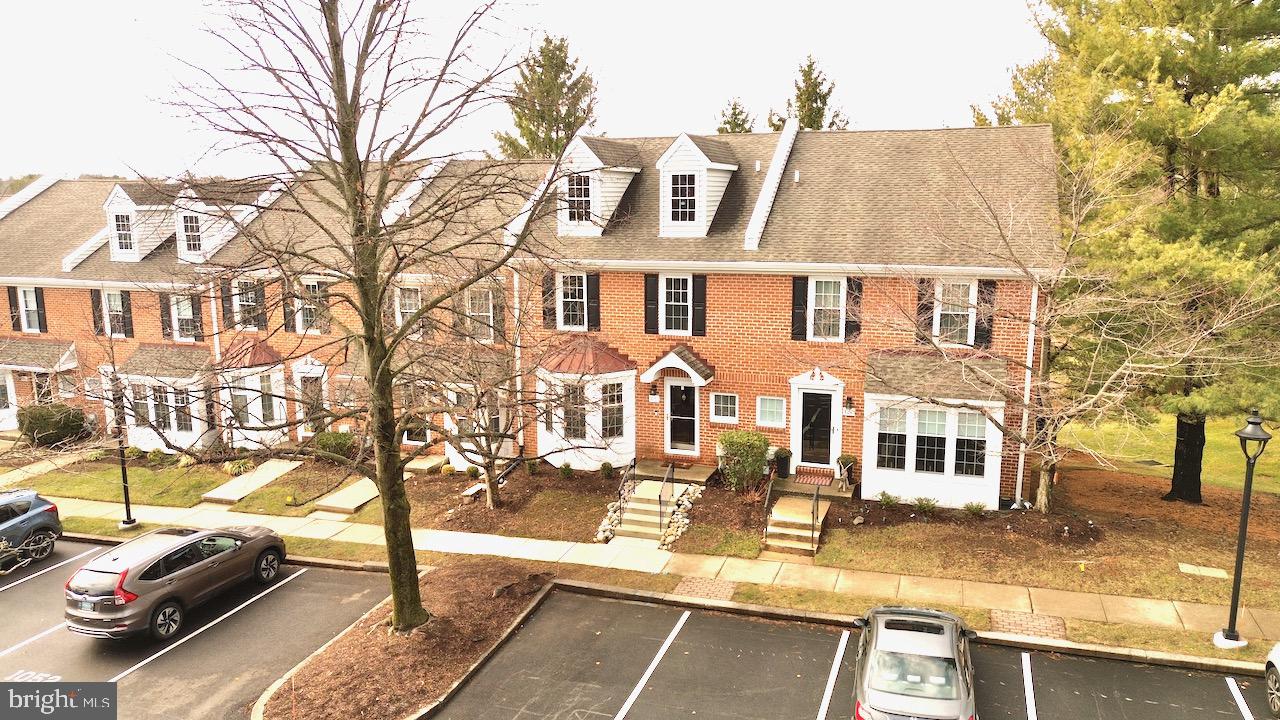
(231, 649)
(582, 657)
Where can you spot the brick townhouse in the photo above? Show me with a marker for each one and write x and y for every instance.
(866, 293)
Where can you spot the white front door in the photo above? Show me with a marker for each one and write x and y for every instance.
(8, 403)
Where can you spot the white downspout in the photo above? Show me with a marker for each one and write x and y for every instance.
(1026, 388)
(515, 312)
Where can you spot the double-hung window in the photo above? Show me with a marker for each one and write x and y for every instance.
(971, 444)
(684, 197)
(114, 309)
(43, 387)
(268, 399)
(311, 308)
(124, 231)
(572, 306)
(575, 412)
(245, 303)
(182, 411)
(931, 440)
(891, 439)
(191, 233)
(240, 402)
(826, 315)
(956, 312)
(611, 410)
(771, 412)
(184, 317)
(480, 313)
(160, 407)
(408, 302)
(29, 310)
(724, 408)
(677, 304)
(579, 198)
(139, 403)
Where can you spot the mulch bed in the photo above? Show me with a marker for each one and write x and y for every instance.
(373, 674)
(721, 507)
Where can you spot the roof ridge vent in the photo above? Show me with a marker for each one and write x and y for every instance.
(20, 198)
(769, 190)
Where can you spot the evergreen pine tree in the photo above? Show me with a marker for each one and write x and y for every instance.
(810, 104)
(553, 100)
(735, 119)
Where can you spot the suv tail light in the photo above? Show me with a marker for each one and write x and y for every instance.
(50, 508)
(123, 597)
(858, 713)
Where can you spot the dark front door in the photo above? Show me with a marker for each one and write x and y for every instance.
(815, 432)
(682, 410)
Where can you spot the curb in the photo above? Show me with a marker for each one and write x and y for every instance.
(300, 560)
(1149, 657)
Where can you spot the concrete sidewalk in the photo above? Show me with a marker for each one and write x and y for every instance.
(639, 555)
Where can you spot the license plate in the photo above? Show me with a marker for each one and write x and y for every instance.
(86, 605)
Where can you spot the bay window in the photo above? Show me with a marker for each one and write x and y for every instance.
(611, 410)
(574, 403)
(931, 440)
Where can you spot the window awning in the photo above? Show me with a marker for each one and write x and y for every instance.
(37, 355)
(585, 356)
(682, 358)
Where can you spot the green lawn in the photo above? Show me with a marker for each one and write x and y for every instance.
(173, 486)
(295, 493)
(1126, 443)
(712, 540)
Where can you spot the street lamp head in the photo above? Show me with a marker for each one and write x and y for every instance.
(1253, 437)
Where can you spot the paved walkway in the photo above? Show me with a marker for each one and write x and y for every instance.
(40, 467)
(640, 555)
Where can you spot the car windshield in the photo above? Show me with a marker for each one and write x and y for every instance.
(93, 582)
(914, 675)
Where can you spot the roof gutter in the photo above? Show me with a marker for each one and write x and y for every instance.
(804, 268)
(95, 284)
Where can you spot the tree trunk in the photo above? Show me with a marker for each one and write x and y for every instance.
(1188, 454)
(1044, 488)
(491, 497)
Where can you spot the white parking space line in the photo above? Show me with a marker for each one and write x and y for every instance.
(33, 638)
(1026, 687)
(1245, 712)
(831, 679)
(644, 679)
(51, 567)
(224, 616)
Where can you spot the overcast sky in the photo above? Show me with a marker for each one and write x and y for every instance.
(86, 80)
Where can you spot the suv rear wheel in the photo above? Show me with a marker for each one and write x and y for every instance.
(166, 621)
(40, 545)
(1273, 690)
(267, 566)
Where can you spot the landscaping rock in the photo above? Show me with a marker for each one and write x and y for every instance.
(859, 520)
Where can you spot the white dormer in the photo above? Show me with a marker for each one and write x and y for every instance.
(122, 226)
(693, 173)
(597, 172)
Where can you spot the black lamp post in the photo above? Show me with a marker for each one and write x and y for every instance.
(119, 432)
(1253, 440)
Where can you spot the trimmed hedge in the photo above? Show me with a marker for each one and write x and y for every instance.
(47, 425)
(336, 443)
(745, 455)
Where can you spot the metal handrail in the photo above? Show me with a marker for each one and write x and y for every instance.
(626, 486)
(813, 527)
(667, 480)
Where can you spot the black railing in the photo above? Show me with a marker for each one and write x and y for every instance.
(664, 493)
(813, 528)
(626, 486)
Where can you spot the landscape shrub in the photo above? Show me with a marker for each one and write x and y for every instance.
(133, 453)
(186, 461)
(158, 457)
(473, 472)
(925, 506)
(446, 469)
(745, 455)
(566, 471)
(96, 454)
(975, 509)
(606, 470)
(335, 443)
(238, 467)
(887, 500)
(47, 425)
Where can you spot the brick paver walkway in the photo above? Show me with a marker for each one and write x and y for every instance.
(708, 588)
(1024, 623)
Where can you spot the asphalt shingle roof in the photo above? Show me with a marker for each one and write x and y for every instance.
(926, 374)
(169, 361)
(32, 353)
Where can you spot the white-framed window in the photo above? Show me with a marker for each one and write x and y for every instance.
(139, 405)
(571, 302)
(124, 231)
(244, 303)
(578, 198)
(240, 397)
(29, 310)
(42, 387)
(309, 307)
(971, 444)
(480, 320)
(191, 233)
(66, 385)
(183, 421)
(891, 439)
(826, 309)
(574, 407)
(684, 203)
(184, 318)
(113, 313)
(408, 302)
(311, 404)
(955, 311)
(724, 408)
(268, 399)
(611, 410)
(771, 412)
(676, 311)
(931, 440)
(160, 408)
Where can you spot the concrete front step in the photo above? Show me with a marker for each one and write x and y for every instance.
(792, 532)
(793, 509)
(628, 530)
(350, 498)
(645, 522)
(657, 470)
(793, 547)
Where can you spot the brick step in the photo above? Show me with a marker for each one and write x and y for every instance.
(626, 530)
(793, 547)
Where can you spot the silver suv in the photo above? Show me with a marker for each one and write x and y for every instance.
(149, 583)
(913, 664)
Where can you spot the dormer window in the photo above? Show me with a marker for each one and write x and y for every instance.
(578, 198)
(683, 197)
(124, 232)
(191, 233)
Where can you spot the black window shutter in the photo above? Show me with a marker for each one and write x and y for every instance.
(799, 307)
(126, 310)
(699, 305)
(286, 302)
(260, 300)
(228, 310)
(499, 313)
(986, 314)
(15, 313)
(593, 301)
(197, 317)
(651, 304)
(95, 302)
(40, 317)
(166, 316)
(924, 311)
(548, 300)
(852, 309)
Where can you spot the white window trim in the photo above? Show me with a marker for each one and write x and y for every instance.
(116, 232)
(173, 317)
(485, 333)
(937, 311)
(662, 304)
(186, 236)
(560, 324)
(107, 328)
(760, 402)
(236, 290)
(23, 308)
(810, 307)
(725, 419)
(592, 188)
(698, 184)
(300, 301)
(400, 311)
